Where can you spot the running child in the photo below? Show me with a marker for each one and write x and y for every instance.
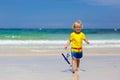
(75, 40)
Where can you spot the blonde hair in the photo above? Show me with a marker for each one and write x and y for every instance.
(77, 22)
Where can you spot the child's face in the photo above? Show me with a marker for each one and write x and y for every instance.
(77, 27)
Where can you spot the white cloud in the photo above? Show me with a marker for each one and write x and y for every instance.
(103, 2)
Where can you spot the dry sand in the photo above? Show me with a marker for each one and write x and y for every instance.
(31, 51)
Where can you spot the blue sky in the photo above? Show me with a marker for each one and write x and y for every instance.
(59, 13)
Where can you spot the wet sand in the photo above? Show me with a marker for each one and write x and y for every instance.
(31, 64)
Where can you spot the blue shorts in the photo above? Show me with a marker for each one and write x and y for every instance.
(77, 55)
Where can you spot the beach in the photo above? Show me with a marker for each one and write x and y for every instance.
(35, 54)
(27, 63)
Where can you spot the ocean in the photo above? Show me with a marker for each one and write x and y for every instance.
(56, 38)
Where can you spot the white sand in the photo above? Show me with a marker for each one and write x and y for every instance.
(26, 63)
(55, 68)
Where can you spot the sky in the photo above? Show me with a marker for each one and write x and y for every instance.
(59, 13)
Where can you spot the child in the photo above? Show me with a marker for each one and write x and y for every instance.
(76, 38)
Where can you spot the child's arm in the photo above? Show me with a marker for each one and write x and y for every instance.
(68, 43)
(86, 40)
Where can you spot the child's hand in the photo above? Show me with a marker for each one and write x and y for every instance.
(68, 43)
(87, 41)
(65, 47)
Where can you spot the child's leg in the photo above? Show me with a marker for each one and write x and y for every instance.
(73, 65)
(78, 65)
(73, 77)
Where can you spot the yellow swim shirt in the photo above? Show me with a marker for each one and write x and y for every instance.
(76, 39)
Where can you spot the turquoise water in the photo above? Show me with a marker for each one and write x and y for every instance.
(56, 34)
(33, 34)
(54, 38)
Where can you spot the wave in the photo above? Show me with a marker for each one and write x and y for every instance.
(22, 42)
(59, 43)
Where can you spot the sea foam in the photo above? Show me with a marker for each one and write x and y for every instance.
(93, 43)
